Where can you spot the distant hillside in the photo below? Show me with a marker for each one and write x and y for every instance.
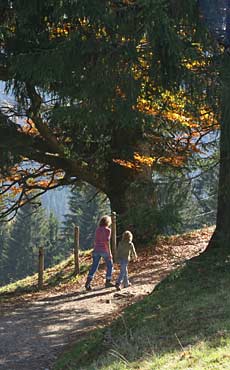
(56, 201)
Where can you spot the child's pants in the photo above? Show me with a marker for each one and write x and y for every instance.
(123, 276)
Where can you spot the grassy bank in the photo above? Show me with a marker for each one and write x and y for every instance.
(59, 275)
(183, 324)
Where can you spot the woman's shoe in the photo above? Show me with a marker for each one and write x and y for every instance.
(88, 287)
(117, 285)
(108, 284)
(87, 284)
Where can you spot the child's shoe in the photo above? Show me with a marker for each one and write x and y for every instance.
(117, 285)
(108, 284)
(127, 285)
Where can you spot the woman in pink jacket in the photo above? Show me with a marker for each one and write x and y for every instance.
(102, 249)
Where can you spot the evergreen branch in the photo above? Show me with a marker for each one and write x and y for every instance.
(94, 196)
(42, 127)
(4, 73)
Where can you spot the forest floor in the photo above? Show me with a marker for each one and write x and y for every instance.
(36, 328)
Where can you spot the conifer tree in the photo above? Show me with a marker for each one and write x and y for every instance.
(106, 88)
(20, 255)
(29, 232)
(4, 240)
(54, 247)
(85, 209)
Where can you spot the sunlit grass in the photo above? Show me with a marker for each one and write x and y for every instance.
(183, 324)
(61, 273)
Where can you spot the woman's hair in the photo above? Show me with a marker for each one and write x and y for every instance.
(127, 236)
(105, 221)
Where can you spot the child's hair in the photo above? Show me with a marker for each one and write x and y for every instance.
(105, 221)
(127, 236)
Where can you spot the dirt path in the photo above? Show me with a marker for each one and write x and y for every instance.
(33, 333)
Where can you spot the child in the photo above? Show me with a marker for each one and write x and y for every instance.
(102, 249)
(125, 251)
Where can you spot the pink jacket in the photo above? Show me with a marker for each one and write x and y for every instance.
(102, 239)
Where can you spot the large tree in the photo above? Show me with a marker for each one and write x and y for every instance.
(103, 87)
(216, 15)
(221, 236)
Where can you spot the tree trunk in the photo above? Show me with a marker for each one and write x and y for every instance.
(221, 236)
(119, 180)
(132, 198)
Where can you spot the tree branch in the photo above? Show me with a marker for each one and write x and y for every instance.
(16, 142)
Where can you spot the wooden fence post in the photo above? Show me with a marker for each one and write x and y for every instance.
(76, 250)
(40, 267)
(113, 235)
